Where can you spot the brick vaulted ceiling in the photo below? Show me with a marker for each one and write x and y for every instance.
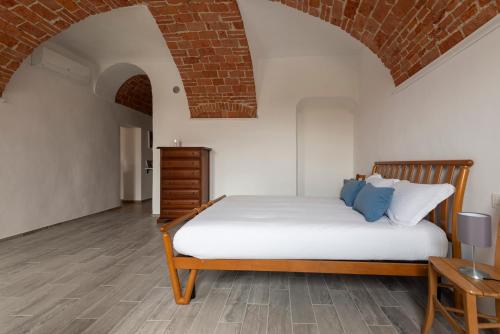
(406, 35)
(136, 93)
(206, 38)
(208, 43)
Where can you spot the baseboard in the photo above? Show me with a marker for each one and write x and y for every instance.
(136, 201)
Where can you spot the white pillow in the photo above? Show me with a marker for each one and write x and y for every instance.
(411, 202)
(379, 182)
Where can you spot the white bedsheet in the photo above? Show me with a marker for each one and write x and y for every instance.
(265, 227)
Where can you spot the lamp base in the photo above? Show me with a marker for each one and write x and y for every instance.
(474, 273)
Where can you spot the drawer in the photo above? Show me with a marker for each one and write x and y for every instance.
(172, 214)
(180, 194)
(181, 173)
(180, 154)
(180, 184)
(180, 204)
(181, 163)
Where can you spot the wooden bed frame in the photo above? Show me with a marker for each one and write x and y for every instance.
(439, 171)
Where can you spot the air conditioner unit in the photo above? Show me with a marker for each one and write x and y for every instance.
(57, 62)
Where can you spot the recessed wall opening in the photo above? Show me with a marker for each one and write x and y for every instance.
(325, 146)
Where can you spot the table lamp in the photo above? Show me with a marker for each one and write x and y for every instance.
(474, 229)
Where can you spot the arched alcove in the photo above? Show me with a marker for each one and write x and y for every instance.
(112, 78)
(128, 85)
(325, 144)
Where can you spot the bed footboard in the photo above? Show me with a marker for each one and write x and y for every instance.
(180, 297)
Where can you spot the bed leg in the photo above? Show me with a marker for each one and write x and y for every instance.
(180, 298)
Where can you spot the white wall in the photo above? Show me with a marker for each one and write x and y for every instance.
(453, 112)
(251, 156)
(325, 147)
(60, 150)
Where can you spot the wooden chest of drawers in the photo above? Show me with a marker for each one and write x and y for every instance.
(184, 179)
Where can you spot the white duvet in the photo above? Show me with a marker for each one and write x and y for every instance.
(265, 227)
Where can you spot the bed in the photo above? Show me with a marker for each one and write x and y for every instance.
(251, 227)
(321, 235)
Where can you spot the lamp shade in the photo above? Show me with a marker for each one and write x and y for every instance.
(474, 229)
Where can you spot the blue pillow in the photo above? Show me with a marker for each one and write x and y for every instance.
(350, 190)
(373, 202)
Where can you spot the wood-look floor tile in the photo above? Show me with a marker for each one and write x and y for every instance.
(204, 282)
(235, 307)
(255, 321)
(184, 318)
(379, 292)
(369, 309)
(228, 328)
(136, 318)
(154, 327)
(327, 319)
(64, 318)
(279, 280)
(166, 309)
(383, 330)
(78, 326)
(417, 313)
(280, 317)
(334, 282)
(305, 329)
(26, 285)
(259, 293)
(110, 319)
(400, 320)
(225, 280)
(300, 300)
(318, 289)
(210, 313)
(41, 300)
(34, 323)
(350, 318)
(141, 288)
(392, 283)
(114, 296)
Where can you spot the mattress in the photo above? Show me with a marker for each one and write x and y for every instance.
(265, 227)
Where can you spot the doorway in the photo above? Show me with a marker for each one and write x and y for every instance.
(130, 164)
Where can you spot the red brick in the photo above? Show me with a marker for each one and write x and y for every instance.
(43, 11)
(136, 93)
(484, 16)
(450, 42)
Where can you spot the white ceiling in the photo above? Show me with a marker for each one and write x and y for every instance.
(273, 30)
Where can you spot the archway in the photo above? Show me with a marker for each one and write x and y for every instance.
(128, 85)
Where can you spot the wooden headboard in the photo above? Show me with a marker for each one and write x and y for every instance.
(455, 172)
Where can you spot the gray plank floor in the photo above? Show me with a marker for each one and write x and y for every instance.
(106, 274)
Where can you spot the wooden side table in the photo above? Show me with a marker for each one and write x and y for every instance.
(468, 288)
